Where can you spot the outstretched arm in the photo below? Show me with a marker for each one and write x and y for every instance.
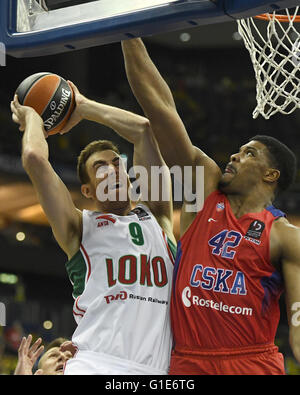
(157, 185)
(156, 99)
(135, 129)
(53, 195)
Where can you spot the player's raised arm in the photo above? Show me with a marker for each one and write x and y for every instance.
(127, 124)
(156, 99)
(135, 129)
(156, 187)
(53, 195)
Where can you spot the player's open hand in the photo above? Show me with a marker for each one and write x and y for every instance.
(28, 355)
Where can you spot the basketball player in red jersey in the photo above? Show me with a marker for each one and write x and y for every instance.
(236, 254)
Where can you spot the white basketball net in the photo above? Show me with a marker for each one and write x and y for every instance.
(274, 48)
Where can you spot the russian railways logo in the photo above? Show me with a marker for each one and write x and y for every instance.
(120, 296)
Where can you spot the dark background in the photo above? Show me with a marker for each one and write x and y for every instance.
(213, 83)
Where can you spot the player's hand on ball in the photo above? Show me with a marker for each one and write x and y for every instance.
(21, 114)
(76, 115)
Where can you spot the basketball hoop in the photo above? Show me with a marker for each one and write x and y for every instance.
(273, 41)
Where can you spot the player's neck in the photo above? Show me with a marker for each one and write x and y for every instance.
(251, 203)
(117, 208)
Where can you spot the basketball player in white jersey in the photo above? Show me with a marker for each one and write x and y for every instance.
(120, 260)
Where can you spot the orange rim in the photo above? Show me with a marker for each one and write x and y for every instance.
(280, 18)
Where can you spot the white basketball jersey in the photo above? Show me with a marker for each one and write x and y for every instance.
(122, 278)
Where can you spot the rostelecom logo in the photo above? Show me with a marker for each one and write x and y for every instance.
(186, 294)
(195, 300)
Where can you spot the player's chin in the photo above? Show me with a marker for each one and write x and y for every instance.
(116, 200)
(118, 194)
(59, 370)
(225, 183)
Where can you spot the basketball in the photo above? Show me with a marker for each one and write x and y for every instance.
(52, 98)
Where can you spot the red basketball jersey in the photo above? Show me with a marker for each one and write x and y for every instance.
(225, 292)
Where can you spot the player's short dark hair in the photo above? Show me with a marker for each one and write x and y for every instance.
(94, 146)
(282, 158)
(55, 343)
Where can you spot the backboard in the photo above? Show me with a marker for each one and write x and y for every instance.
(33, 28)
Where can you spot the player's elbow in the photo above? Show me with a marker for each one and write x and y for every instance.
(142, 130)
(32, 160)
(145, 126)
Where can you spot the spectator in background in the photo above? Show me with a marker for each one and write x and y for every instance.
(51, 363)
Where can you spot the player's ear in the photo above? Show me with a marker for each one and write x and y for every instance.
(271, 175)
(86, 190)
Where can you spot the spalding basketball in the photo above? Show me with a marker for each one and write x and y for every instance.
(52, 98)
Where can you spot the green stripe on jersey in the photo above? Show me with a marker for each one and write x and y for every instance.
(76, 269)
(173, 247)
